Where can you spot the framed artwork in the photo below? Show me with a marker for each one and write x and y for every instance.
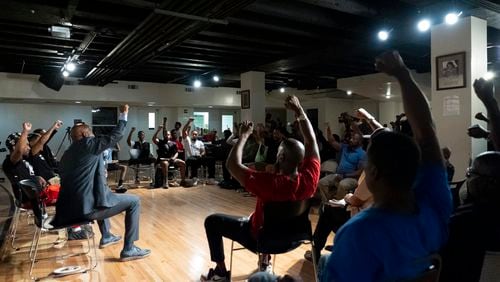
(450, 71)
(245, 99)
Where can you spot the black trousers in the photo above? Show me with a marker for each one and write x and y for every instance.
(330, 220)
(236, 228)
(195, 162)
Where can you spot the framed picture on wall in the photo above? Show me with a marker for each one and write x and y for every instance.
(245, 99)
(450, 71)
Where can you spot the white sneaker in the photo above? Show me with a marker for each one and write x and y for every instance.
(211, 181)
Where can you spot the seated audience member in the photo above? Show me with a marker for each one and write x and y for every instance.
(167, 155)
(15, 165)
(144, 148)
(112, 164)
(450, 169)
(85, 194)
(295, 178)
(345, 179)
(474, 227)
(196, 154)
(178, 142)
(36, 157)
(47, 154)
(409, 217)
(177, 129)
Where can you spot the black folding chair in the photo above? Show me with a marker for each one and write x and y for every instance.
(286, 227)
(32, 190)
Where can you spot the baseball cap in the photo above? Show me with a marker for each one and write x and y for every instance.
(12, 140)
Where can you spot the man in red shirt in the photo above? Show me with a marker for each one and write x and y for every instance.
(296, 176)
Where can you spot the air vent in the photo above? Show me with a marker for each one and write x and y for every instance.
(189, 89)
(133, 86)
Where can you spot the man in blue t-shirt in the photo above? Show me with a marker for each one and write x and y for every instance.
(352, 161)
(393, 239)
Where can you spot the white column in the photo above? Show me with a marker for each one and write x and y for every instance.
(256, 83)
(454, 109)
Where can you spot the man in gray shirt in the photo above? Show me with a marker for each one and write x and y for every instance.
(85, 194)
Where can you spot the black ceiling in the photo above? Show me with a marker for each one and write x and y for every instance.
(298, 43)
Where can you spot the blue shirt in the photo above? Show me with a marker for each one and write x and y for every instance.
(351, 160)
(379, 245)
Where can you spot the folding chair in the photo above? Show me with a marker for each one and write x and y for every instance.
(32, 191)
(286, 227)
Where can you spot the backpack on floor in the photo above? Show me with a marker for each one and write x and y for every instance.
(158, 178)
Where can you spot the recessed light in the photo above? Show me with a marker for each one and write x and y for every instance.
(424, 25)
(451, 18)
(349, 92)
(383, 35)
(78, 102)
(71, 66)
(489, 75)
(215, 78)
(65, 73)
(197, 83)
(282, 90)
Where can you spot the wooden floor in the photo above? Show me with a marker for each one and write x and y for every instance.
(172, 227)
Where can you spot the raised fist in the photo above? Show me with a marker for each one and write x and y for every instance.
(124, 109)
(484, 89)
(293, 103)
(58, 124)
(390, 63)
(132, 129)
(27, 126)
(246, 128)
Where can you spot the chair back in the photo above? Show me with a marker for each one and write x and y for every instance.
(31, 190)
(455, 190)
(286, 226)
(491, 267)
(433, 271)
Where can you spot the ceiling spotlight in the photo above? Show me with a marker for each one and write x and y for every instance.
(65, 73)
(451, 18)
(424, 25)
(197, 83)
(388, 96)
(70, 66)
(78, 102)
(489, 75)
(383, 35)
(349, 92)
(216, 78)
(282, 90)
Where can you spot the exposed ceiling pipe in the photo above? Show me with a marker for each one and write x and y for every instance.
(190, 17)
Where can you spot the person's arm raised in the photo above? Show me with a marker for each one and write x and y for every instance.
(234, 161)
(38, 146)
(415, 105)
(155, 136)
(21, 144)
(101, 143)
(185, 128)
(329, 136)
(129, 138)
(485, 92)
(310, 144)
(365, 115)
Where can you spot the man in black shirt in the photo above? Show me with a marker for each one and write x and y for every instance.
(141, 153)
(16, 168)
(167, 154)
(36, 157)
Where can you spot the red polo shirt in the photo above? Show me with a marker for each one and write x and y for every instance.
(277, 187)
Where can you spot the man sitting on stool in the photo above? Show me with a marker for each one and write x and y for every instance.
(86, 196)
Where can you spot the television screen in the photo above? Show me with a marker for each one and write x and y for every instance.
(104, 116)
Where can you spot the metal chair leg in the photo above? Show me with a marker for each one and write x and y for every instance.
(231, 262)
(315, 263)
(33, 260)
(13, 232)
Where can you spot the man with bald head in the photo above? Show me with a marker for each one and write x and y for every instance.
(295, 178)
(85, 194)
